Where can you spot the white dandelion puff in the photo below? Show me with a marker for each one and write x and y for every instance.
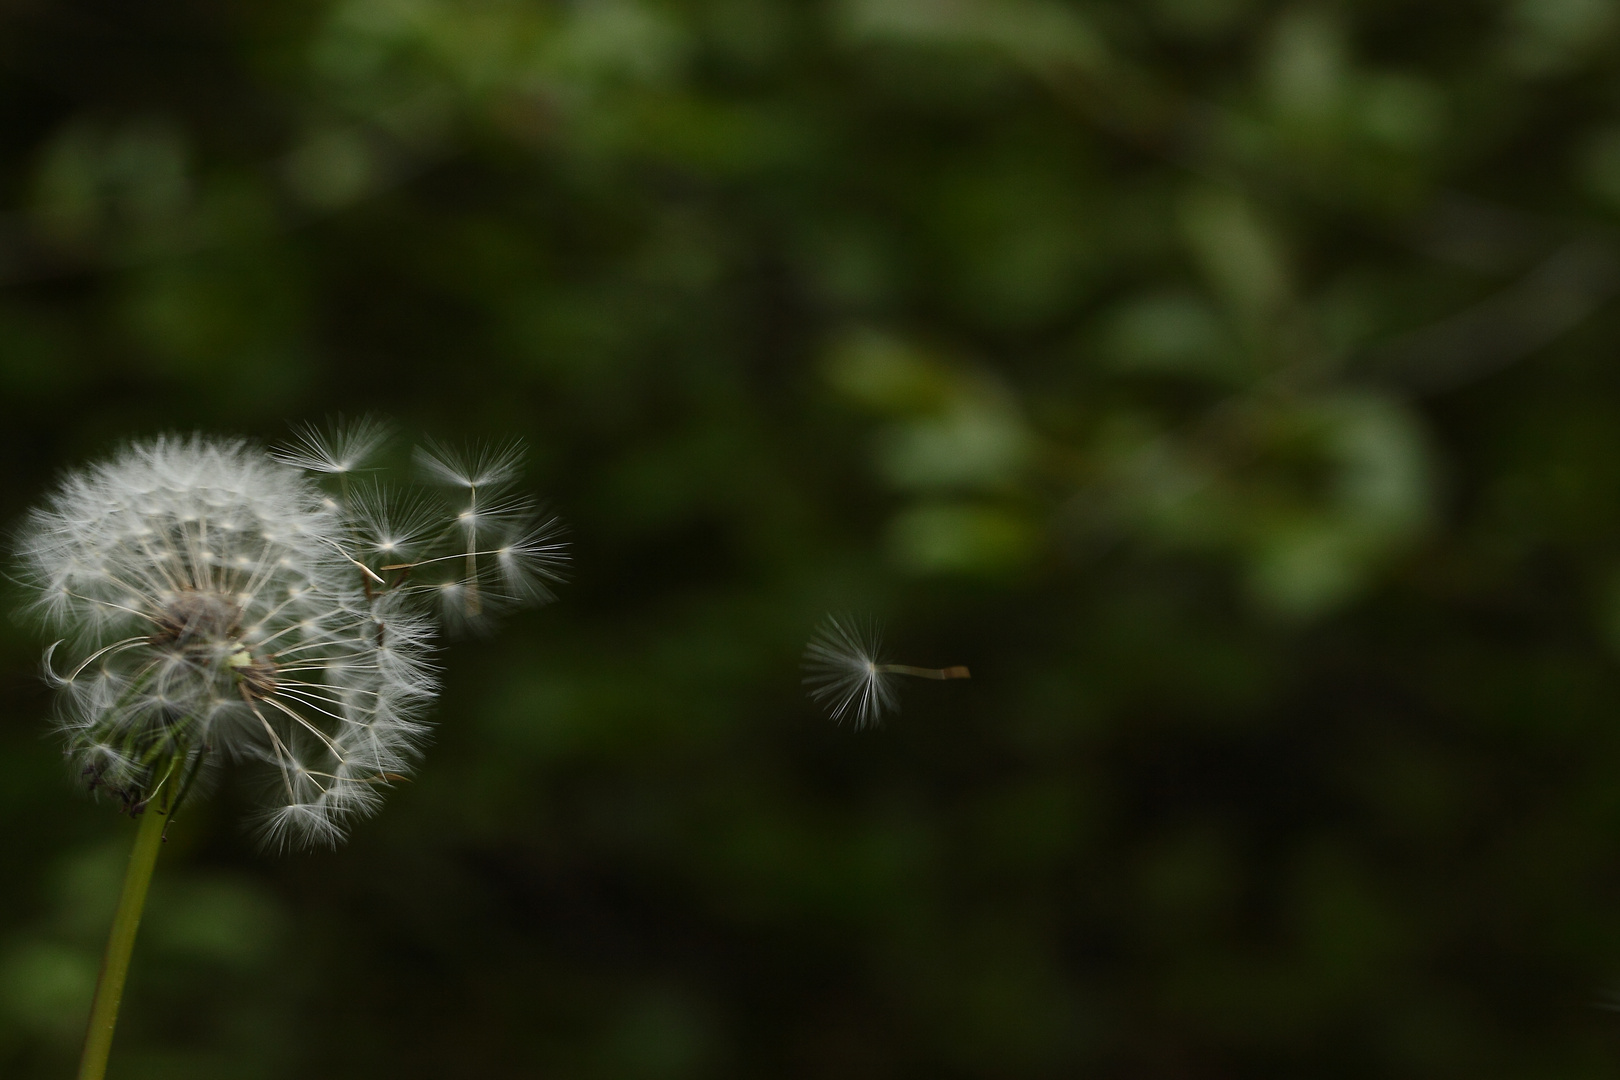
(214, 603)
(846, 672)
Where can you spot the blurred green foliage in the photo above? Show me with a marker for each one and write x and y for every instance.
(1230, 383)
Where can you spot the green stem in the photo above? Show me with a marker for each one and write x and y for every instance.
(115, 962)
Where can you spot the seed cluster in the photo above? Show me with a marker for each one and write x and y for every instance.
(216, 603)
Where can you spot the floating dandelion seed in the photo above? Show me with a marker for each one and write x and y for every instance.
(845, 671)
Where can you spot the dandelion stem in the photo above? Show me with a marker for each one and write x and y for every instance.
(956, 672)
(115, 962)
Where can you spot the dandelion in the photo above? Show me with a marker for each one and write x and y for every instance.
(215, 603)
(845, 670)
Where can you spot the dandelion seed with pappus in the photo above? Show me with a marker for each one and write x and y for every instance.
(216, 603)
(845, 671)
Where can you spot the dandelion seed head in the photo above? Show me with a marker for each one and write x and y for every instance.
(218, 602)
(196, 582)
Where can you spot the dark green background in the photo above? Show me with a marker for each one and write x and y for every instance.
(1233, 385)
